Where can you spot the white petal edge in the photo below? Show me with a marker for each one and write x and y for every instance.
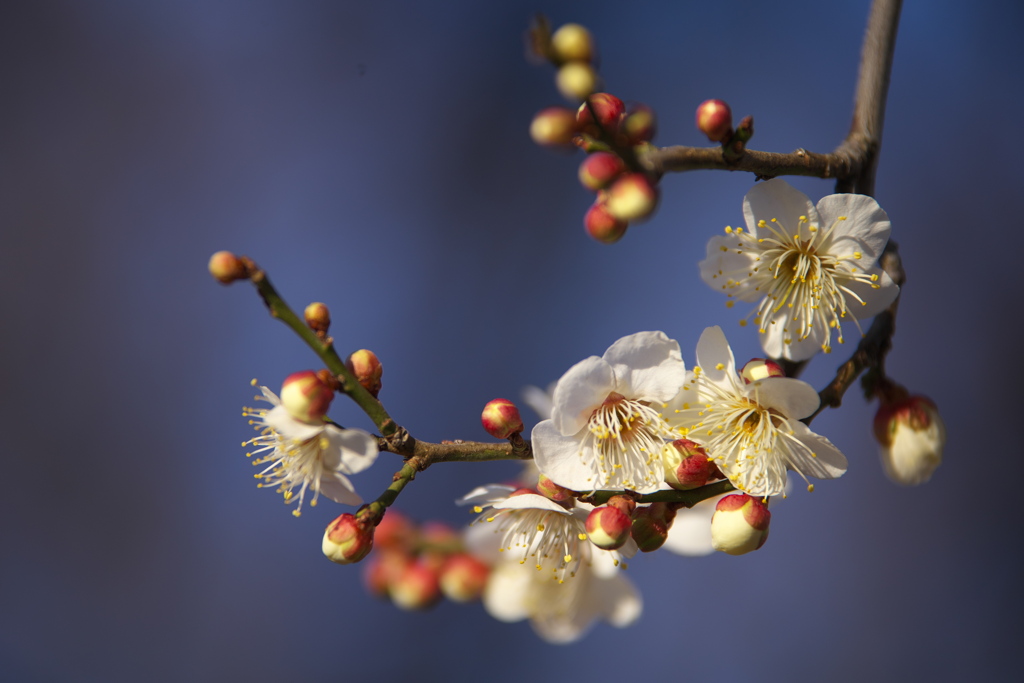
(558, 457)
(579, 392)
(647, 365)
(792, 397)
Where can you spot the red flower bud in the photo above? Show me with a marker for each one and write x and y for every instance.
(501, 419)
(714, 119)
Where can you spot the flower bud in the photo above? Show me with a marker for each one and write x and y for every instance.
(761, 368)
(714, 119)
(226, 267)
(501, 419)
(553, 491)
(553, 127)
(318, 317)
(608, 527)
(383, 568)
(740, 524)
(639, 124)
(306, 397)
(651, 525)
(632, 197)
(463, 577)
(367, 369)
(687, 465)
(572, 42)
(576, 80)
(347, 540)
(599, 169)
(602, 226)
(912, 435)
(394, 530)
(416, 587)
(609, 111)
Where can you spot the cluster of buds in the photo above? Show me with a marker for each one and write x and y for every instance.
(414, 566)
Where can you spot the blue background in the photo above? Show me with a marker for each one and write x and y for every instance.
(374, 156)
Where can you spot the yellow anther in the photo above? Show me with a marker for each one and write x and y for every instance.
(730, 303)
(540, 527)
(810, 488)
(477, 509)
(720, 366)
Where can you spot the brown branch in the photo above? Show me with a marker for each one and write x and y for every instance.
(426, 453)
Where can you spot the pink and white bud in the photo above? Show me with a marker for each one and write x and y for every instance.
(553, 491)
(572, 42)
(639, 124)
(501, 419)
(318, 317)
(416, 587)
(602, 226)
(225, 267)
(740, 524)
(608, 527)
(912, 435)
(687, 465)
(761, 368)
(576, 80)
(367, 369)
(554, 127)
(306, 396)
(394, 530)
(714, 119)
(651, 525)
(608, 110)
(632, 197)
(383, 568)
(599, 169)
(347, 540)
(463, 577)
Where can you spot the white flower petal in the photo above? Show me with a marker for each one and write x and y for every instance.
(827, 463)
(647, 365)
(866, 228)
(486, 494)
(356, 449)
(715, 357)
(338, 488)
(793, 398)
(283, 423)
(875, 300)
(508, 589)
(776, 199)
(621, 604)
(532, 501)
(579, 392)
(726, 265)
(558, 457)
(539, 400)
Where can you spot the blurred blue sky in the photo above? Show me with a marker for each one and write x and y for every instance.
(374, 156)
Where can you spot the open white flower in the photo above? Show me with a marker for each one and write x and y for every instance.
(606, 429)
(302, 456)
(812, 269)
(751, 431)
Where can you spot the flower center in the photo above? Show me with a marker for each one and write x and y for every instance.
(627, 436)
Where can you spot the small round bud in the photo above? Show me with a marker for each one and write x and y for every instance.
(714, 119)
(347, 540)
(687, 465)
(602, 226)
(367, 369)
(226, 267)
(761, 368)
(383, 568)
(463, 577)
(416, 587)
(740, 524)
(500, 418)
(576, 80)
(553, 491)
(651, 525)
(554, 127)
(639, 124)
(632, 197)
(394, 530)
(912, 435)
(318, 317)
(608, 528)
(608, 110)
(572, 42)
(306, 397)
(599, 169)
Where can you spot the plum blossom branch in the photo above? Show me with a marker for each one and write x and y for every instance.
(686, 498)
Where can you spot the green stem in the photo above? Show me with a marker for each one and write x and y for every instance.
(686, 498)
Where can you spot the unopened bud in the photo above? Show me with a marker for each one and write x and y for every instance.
(347, 540)
(632, 197)
(318, 317)
(463, 577)
(394, 530)
(608, 527)
(500, 418)
(761, 368)
(576, 80)
(599, 169)
(740, 524)
(383, 568)
(714, 119)
(553, 127)
(553, 491)
(226, 267)
(912, 435)
(572, 42)
(306, 397)
(602, 226)
(367, 369)
(416, 587)
(608, 110)
(651, 525)
(687, 465)
(639, 124)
